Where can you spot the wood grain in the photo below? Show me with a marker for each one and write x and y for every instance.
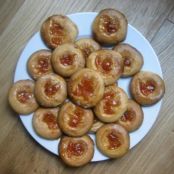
(19, 153)
(7, 12)
(171, 16)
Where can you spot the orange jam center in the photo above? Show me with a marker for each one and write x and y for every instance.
(56, 40)
(109, 102)
(50, 120)
(23, 96)
(127, 62)
(114, 141)
(105, 64)
(129, 115)
(67, 59)
(51, 89)
(110, 25)
(147, 88)
(56, 29)
(85, 88)
(75, 149)
(76, 117)
(43, 64)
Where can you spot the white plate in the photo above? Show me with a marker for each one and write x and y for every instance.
(135, 38)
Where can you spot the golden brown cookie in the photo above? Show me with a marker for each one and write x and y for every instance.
(86, 87)
(21, 97)
(74, 120)
(108, 63)
(45, 123)
(110, 26)
(50, 90)
(147, 88)
(87, 46)
(96, 125)
(113, 104)
(39, 64)
(58, 29)
(113, 140)
(67, 59)
(76, 151)
(133, 59)
(132, 119)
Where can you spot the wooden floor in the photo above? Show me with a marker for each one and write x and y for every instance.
(19, 153)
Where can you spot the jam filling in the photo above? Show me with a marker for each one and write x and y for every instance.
(85, 88)
(147, 88)
(51, 89)
(76, 117)
(105, 64)
(129, 115)
(110, 25)
(50, 120)
(23, 96)
(109, 102)
(67, 59)
(56, 29)
(43, 65)
(57, 32)
(75, 149)
(114, 141)
(56, 40)
(127, 62)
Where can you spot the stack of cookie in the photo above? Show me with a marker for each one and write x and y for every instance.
(74, 90)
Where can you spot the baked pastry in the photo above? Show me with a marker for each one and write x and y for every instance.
(133, 59)
(96, 125)
(76, 151)
(113, 104)
(67, 59)
(39, 64)
(21, 97)
(132, 119)
(45, 123)
(87, 46)
(110, 26)
(113, 140)
(58, 29)
(74, 120)
(108, 62)
(147, 88)
(50, 90)
(86, 87)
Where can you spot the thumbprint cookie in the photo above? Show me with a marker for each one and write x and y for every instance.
(133, 59)
(45, 123)
(108, 63)
(113, 104)
(110, 27)
(96, 125)
(74, 120)
(50, 90)
(67, 59)
(87, 46)
(132, 119)
(21, 97)
(147, 88)
(58, 29)
(76, 151)
(113, 140)
(39, 64)
(86, 87)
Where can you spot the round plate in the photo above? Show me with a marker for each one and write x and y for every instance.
(134, 38)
